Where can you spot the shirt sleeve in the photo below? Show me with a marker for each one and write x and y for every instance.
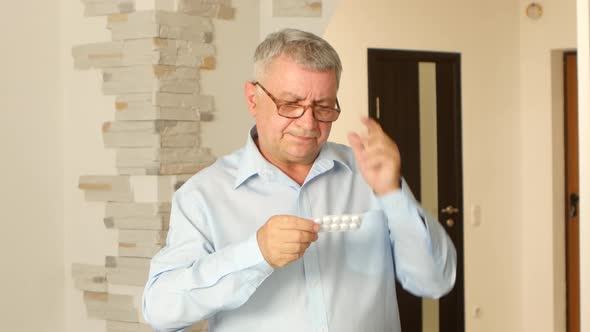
(190, 280)
(424, 256)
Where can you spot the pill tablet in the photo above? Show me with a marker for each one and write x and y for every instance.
(339, 223)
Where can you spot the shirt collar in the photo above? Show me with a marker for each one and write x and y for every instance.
(253, 163)
(251, 160)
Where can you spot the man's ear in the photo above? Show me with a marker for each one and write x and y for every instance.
(250, 94)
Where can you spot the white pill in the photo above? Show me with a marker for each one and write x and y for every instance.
(339, 222)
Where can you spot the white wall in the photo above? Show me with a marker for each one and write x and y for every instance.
(541, 109)
(486, 35)
(32, 281)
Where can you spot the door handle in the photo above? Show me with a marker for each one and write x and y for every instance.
(574, 199)
(450, 210)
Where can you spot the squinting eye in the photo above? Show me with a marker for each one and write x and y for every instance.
(290, 107)
(324, 108)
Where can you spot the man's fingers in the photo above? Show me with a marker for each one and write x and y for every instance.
(373, 136)
(284, 239)
(372, 125)
(355, 142)
(357, 146)
(296, 223)
(295, 236)
(294, 248)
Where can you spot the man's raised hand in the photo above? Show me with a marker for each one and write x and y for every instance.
(378, 157)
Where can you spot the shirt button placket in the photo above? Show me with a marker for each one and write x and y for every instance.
(315, 294)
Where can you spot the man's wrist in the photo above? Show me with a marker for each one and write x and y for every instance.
(397, 185)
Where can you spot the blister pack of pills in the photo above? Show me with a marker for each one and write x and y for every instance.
(340, 222)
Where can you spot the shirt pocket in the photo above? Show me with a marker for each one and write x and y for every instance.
(367, 250)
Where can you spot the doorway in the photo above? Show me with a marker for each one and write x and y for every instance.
(415, 96)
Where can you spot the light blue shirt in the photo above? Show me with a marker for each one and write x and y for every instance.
(212, 268)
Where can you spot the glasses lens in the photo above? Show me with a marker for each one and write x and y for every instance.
(291, 110)
(325, 114)
(321, 114)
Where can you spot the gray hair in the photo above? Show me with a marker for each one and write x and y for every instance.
(306, 49)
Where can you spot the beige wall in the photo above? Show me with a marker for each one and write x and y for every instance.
(235, 41)
(31, 250)
(85, 108)
(316, 25)
(541, 110)
(486, 35)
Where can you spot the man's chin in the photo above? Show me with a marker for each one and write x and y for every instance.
(303, 156)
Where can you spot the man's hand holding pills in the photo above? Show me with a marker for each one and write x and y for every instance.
(284, 239)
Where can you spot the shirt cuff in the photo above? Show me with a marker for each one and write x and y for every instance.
(395, 202)
(260, 269)
(256, 258)
(402, 212)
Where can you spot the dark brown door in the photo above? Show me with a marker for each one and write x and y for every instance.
(572, 183)
(394, 100)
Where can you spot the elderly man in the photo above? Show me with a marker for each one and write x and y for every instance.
(243, 250)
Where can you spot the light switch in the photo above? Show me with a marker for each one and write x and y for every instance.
(477, 311)
(475, 215)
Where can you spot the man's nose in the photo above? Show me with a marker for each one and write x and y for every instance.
(307, 120)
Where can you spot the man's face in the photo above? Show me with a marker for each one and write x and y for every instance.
(286, 141)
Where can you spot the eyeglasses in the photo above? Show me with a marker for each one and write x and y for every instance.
(293, 110)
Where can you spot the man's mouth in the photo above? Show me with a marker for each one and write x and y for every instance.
(304, 135)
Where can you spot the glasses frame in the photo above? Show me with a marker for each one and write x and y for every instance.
(278, 103)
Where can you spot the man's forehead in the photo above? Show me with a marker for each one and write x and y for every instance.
(289, 95)
(278, 62)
